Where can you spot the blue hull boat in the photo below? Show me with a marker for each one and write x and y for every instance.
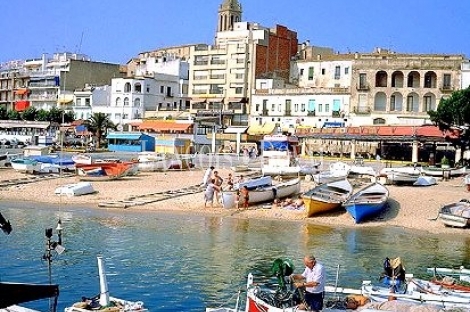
(367, 202)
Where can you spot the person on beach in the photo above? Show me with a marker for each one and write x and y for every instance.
(244, 197)
(218, 182)
(207, 176)
(312, 280)
(230, 181)
(241, 178)
(209, 193)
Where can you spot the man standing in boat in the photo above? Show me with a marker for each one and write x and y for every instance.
(313, 281)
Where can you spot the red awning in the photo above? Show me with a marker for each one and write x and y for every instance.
(22, 105)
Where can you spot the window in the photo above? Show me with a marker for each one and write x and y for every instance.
(87, 101)
(162, 89)
(138, 87)
(301, 72)
(296, 107)
(323, 71)
(392, 103)
(362, 81)
(320, 108)
(126, 101)
(137, 102)
(127, 87)
(302, 107)
(427, 103)
(238, 90)
(310, 73)
(327, 108)
(346, 70)
(311, 105)
(118, 101)
(257, 107)
(446, 83)
(409, 103)
(273, 107)
(125, 116)
(337, 72)
(279, 107)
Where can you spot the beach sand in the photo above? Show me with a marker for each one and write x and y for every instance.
(410, 207)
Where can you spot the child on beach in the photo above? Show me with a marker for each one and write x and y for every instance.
(230, 181)
(244, 197)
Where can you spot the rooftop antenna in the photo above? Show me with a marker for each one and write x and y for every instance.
(80, 45)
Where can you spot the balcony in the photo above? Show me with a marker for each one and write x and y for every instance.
(288, 113)
(363, 87)
(311, 113)
(361, 110)
(446, 89)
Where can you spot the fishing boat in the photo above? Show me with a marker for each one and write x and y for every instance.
(82, 159)
(456, 214)
(326, 197)
(461, 272)
(75, 189)
(263, 193)
(25, 165)
(367, 202)
(263, 297)
(279, 155)
(336, 170)
(104, 171)
(402, 178)
(439, 172)
(418, 291)
(54, 162)
(104, 300)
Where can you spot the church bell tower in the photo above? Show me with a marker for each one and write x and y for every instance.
(230, 12)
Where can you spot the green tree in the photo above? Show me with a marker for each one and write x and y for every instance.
(30, 114)
(42, 115)
(13, 115)
(453, 114)
(98, 124)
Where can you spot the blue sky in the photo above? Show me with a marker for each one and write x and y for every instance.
(115, 31)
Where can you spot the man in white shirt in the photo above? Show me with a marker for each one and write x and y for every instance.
(313, 280)
(207, 176)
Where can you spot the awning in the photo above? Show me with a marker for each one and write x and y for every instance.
(235, 129)
(124, 136)
(198, 100)
(215, 100)
(238, 100)
(164, 125)
(65, 99)
(22, 91)
(266, 128)
(21, 105)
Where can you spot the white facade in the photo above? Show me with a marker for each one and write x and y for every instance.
(90, 100)
(324, 74)
(465, 78)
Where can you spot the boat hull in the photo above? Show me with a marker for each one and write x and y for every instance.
(326, 197)
(367, 202)
(456, 214)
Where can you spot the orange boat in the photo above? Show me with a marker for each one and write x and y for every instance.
(103, 171)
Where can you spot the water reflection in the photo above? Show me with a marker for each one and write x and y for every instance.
(179, 262)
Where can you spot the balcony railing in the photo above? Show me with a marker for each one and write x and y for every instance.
(446, 89)
(363, 87)
(362, 110)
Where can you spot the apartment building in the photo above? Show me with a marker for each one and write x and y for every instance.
(44, 83)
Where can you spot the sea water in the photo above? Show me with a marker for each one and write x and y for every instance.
(182, 262)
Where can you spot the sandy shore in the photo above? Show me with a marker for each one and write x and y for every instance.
(410, 207)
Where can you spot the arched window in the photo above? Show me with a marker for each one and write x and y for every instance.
(137, 102)
(126, 101)
(138, 87)
(118, 101)
(127, 87)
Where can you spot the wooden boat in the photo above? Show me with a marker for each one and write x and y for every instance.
(25, 165)
(367, 202)
(418, 291)
(262, 194)
(439, 172)
(263, 298)
(462, 273)
(335, 171)
(75, 189)
(402, 178)
(104, 171)
(326, 197)
(104, 300)
(82, 159)
(456, 214)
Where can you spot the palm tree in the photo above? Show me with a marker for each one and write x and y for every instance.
(98, 124)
